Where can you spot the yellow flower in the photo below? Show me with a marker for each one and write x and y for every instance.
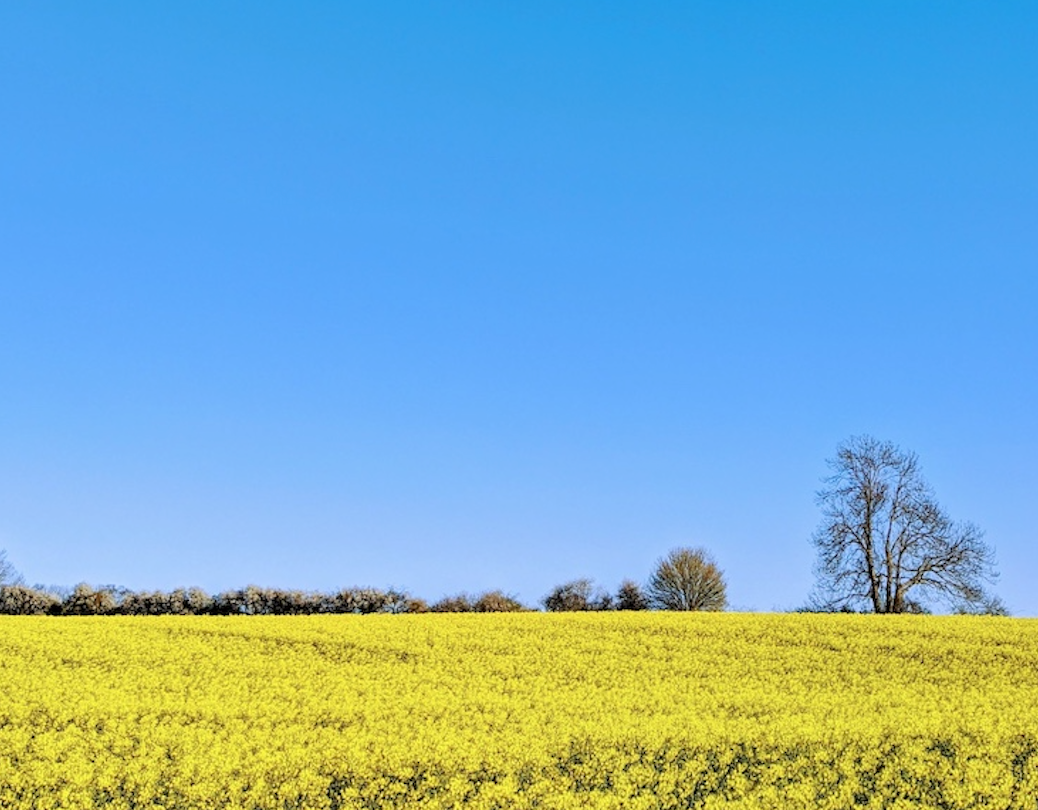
(603, 711)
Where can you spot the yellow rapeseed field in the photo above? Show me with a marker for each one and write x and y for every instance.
(607, 710)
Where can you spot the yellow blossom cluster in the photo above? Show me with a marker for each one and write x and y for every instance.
(597, 710)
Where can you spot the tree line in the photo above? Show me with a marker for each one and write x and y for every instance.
(884, 545)
(687, 579)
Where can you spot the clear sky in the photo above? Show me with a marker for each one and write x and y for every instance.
(460, 296)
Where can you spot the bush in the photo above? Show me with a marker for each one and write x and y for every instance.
(190, 601)
(630, 596)
(86, 600)
(255, 601)
(369, 600)
(459, 603)
(486, 602)
(145, 603)
(413, 604)
(578, 594)
(497, 602)
(688, 579)
(20, 600)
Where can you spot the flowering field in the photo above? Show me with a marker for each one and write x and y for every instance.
(606, 710)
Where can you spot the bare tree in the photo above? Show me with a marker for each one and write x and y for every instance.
(688, 579)
(8, 574)
(885, 545)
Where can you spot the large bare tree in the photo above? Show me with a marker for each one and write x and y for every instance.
(885, 545)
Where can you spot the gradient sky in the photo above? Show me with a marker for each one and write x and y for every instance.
(459, 296)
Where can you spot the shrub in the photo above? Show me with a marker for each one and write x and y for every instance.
(497, 602)
(578, 594)
(630, 596)
(145, 603)
(413, 604)
(459, 603)
(20, 600)
(190, 601)
(687, 579)
(368, 600)
(88, 601)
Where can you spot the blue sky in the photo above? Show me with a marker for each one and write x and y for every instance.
(466, 296)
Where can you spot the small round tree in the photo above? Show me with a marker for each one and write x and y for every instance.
(687, 579)
(630, 596)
